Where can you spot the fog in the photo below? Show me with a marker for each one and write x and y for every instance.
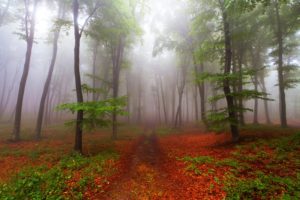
(153, 72)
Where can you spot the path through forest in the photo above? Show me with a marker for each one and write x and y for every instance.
(145, 178)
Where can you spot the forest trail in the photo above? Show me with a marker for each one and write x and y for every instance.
(145, 178)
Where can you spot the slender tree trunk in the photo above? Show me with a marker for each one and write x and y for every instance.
(187, 105)
(117, 61)
(226, 83)
(282, 102)
(77, 35)
(255, 116)
(265, 101)
(30, 32)
(48, 81)
(196, 104)
(173, 103)
(214, 106)
(158, 103)
(46, 114)
(140, 101)
(128, 96)
(201, 87)
(240, 88)
(50, 106)
(163, 100)
(234, 82)
(95, 52)
(178, 117)
(255, 63)
(198, 85)
(3, 92)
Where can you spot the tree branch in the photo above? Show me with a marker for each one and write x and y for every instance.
(88, 18)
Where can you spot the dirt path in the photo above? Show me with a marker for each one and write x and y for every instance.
(145, 178)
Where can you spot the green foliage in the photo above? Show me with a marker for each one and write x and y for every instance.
(193, 167)
(58, 24)
(115, 20)
(228, 162)
(286, 144)
(198, 160)
(35, 183)
(51, 183)
(87, 89)
(217, 119)
(262, 186)
(291, 74)
(96, 113)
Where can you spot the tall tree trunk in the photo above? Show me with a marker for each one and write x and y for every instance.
(255, 63)
(196, 103)
(95, 52)
(265, 100)
(163, 100)
(196, 87)
(46, 114)
(178, 117)
(50, 109)
(3, 92)
(187, 104)
(279, 35)
(128, 96)
(226, 83)
(255, 114)
(240, 87)
(201, 87)
(30, 32)
(173, 103)
(117, 61)
(158, 104)
(214, 106)
(140, 101)
(49, 77)
(234, 82)
(79, 120)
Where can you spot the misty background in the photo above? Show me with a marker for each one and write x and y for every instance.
(141, 79)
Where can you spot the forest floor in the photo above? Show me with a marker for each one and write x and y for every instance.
(161, 164)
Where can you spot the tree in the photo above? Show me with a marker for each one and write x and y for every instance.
(227, 71)
(56, 34)
(223, 33)
(116, 31)
(77, 34)
(285, 18)
(29, 21)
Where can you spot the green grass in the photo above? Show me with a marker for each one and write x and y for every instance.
(43, 182)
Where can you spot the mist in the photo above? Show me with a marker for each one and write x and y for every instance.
(149, 99)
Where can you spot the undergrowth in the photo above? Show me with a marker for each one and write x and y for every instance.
(255, 172)
(68, 179)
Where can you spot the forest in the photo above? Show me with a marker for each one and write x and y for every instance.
(149, 99)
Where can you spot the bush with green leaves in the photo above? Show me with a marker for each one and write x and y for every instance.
(96, 113)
